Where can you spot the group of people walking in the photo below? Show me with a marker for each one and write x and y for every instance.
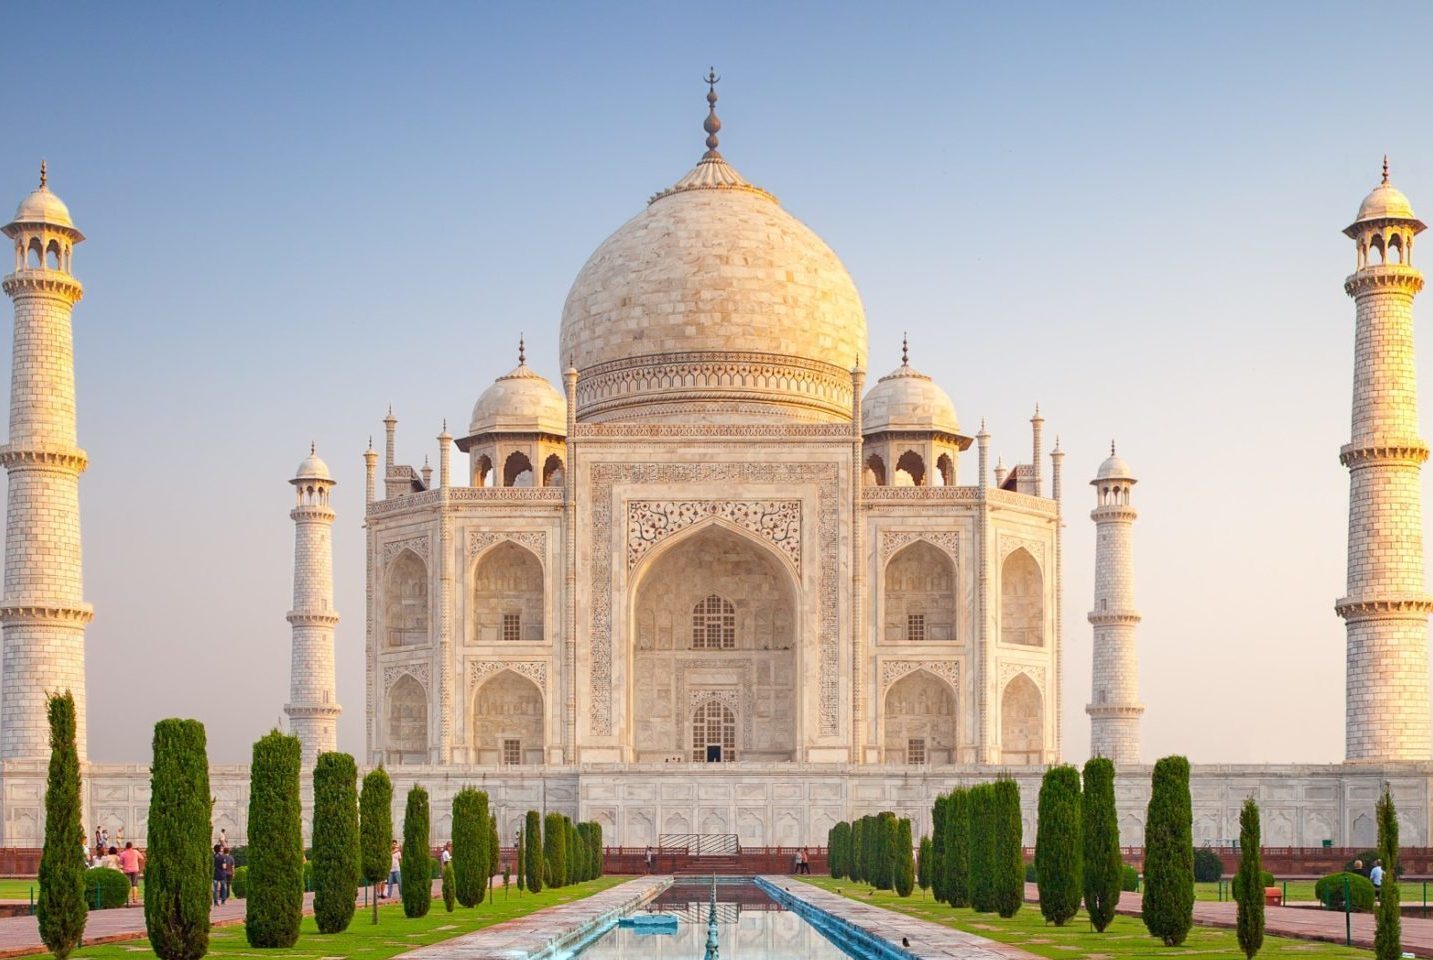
(127, 859)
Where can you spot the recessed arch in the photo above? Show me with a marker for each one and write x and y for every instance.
(483, 471)
(517, 470)
(875, 472)
(919, 595)
(552, 471)
(52, 255)
(910, 470)
(1022, 721)
(35, 257)
(509, 602)
(714, 735)
(944, 471)
(407, 721)
(508, 720)
(1022, 600)
(919, 719)
(405, 600)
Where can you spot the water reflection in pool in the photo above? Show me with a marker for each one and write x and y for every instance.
(750, 926)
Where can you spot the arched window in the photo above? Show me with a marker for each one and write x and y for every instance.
(945, 470)
(483, 472)
(52, 255)
(407, 721)
(1395, 249)
(1022, 600)
(1022, 722)
(552, 475)
(713, 733)
(713, 624)
(920, 596)
(36, 257)
(1375, 250)
(517, 471)
(875, 474)
(405, 600)
(910, 470)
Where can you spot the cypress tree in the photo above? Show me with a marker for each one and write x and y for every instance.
(450, 895)
(416, 876)
(579, 854)
(61, 910)
(375, 826)
(1009, 879)
(957, 849)
(885, 850)
(1388, 927)
(574, 852)
(855, 863)
(839, 853)
(598, 850)
(179, 871)
(494, 848)
(982, 848)
(939, 837)
(554, 851)
(532, 842)
(470, 846)
(335, 841)
(1059, 849)
(520, 856)
(1169, 853)
(1103, 863)
(903, 873)
(276, 848)
(1250, 919)
(924, 863)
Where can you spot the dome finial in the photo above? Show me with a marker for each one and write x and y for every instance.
(1385, 168)
(905, 350)
(712, 125)
(313, 447)
(44, 174)
(521, 349)
(1112, 448)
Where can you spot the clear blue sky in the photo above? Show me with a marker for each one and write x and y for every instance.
(298, 214)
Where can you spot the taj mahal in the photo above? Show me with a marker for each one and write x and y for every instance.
(718, 579)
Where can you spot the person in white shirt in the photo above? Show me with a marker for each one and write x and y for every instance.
(447, 854)
(1376, 875)
(394, 865)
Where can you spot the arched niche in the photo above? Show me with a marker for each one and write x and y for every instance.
(675, 664)
(405, 600)
(508, 720)
(407, 740)
(910, 470)
(920, 595)
(508, 603)
(483, 471)
(517, 470)
(875, 472)
(1022, 600)
(714, 735)
(919, 720)
(552, 471)
(1022, 722)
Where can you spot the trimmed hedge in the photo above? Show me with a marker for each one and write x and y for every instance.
(449, 896)
(1102, 863)
(375, 831)
(416, 877)
(533, 867)
(1009, 878)
(1249, 921)
(554, 837)
(239, 886)
(1329, 891)
(856, 866)
(924, 856)
(1169, 853)
(336, 854)
(61, 909)
(956, 861)
(1059, 848)
(105, 888)
(903, 873)
(1129, 878)
(470, 846)
(1208, 868)
(276, 848)
(982, 848)
(940, 834)
(179, 868)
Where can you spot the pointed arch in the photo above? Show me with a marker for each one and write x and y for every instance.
(483, 472)
(52, 255)
(945, 470)
(405, 600)
(407, 740)
(509, 595)
(1022, 600)
(713, 727)
(508, 720)
(552, 471)
(875, 472)
(1022, 721)
(919, 719)
(517, 470)
(910, 470)
(919, 595)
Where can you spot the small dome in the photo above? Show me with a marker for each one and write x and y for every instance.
(907, 399)
(312, 468)
(1385, 202)
(42, 206)
(520, 401)
(1114, 468)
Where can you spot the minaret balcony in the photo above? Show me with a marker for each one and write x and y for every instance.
(312, 618)
(1114, 512)
(1388, 450)
(1393, 277)
(41, 281)
(1384, 608)
(1114, 618)
(1128, 711)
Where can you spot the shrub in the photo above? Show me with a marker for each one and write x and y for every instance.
(470, 846)
(1169, 854)
(520, 855)
(61, 910)
(1105, 873)
(923, 863)
(105, 889)
(957, 849)
(1249, 923)
(885, 851)
(982, 848)
(903, 869)
(416, 876)
(335, 860)
(179, 870)
(1266, 879)
(276, 849)
(836, 840)
(574, 852)
(554, 851)
(581, 852)
(1388, 926)
(449, 896)
(597, 850)
(1031, 875)
(1009, 878)
(1208, 868)
(1329, 891)
(239, 886)
(1058, 846)
(532, 841)
(940, 834)
(855, 866)
(375, 830)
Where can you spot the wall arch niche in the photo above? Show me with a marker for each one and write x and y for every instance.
(1022, 722)
(407, 722)
(508, 601)
(920, 720)
(920, 595)
(687, 652)
(1022, 600)
(405, 601)
(508, 720)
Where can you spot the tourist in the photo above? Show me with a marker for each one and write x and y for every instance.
(650, 858)
(110, 859)
(130, 862)
(395, 864)
(1376, 875)
(805, 861)
(1358, 867)
(446, 857)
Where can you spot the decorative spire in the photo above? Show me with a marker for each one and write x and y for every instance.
(45, 173)
(982, 425)
(712, 125)
(1112, 448)
(905, 350)
(521, 349)
(1385, 170)
(313, 448)
(370, 441)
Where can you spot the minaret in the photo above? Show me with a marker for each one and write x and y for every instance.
(1037, 427)
(1385, 609)
(43, 614)
(313, 703)
(1114, 706)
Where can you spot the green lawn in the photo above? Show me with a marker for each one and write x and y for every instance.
(18, 888)
(1125, 937)
(1304, 890)
(394, 933)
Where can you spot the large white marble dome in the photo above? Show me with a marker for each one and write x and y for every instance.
(713, 303)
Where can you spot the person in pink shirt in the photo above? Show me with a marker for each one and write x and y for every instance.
(131, 861)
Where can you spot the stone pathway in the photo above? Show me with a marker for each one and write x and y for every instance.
(20, 936)
(928, 940)
(1304, 923)
(543, 932)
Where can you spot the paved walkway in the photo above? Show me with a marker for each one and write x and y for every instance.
(928, 940)
(546, 930)
(1304, 923)
(20, 936)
